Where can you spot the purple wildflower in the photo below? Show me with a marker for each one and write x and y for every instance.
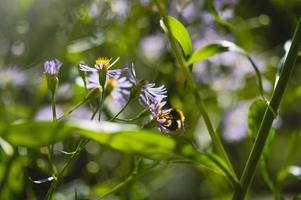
(152, 98)
(119, 86)
(112, 80)
(102, 66)
(52, 67)
(101, 63)
(51, 70)
(148, 93)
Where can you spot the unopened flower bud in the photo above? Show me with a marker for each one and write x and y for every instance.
(52, 82)
(51, 70)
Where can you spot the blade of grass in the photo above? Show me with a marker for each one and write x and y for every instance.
(269, 116)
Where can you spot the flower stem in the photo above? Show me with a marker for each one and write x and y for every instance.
(57, 179)
(252, 162)
(122, 109)
(102, 99)
(71, 110)
(181, 61)
(53, 100)
(50, 149)
(132, 176)
(134, 118)
(81, 145)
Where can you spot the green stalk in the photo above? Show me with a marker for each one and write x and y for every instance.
(142, 113)
(130, 178)
(201, 106)
(71, 110)
(102, 99)
(53, 99)
(122, 109)
(50, 147)
(81, 145)
(269, 116)
(66, 166)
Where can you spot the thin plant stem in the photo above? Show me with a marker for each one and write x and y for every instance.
(53, 101)
(130, 178)
(95, 112)
(50, 156)
(66, 166)
(201, 106)
(50, 149)
(134, 118)
(122, 109)
(263, 132)
(71, 110)
(102, 99)
(81, 145)
(54, 118)
(50, 152)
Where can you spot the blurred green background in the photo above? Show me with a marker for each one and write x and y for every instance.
(74, 31)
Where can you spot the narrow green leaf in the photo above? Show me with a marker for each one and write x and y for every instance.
(180, 33)
(213, 49)
(34, 134)
(158, 147)
(206, 52)
(125, 138)
(218, 47)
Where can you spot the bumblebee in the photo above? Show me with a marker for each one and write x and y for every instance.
(174, 120)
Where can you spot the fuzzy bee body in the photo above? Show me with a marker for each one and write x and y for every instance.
(174, 120)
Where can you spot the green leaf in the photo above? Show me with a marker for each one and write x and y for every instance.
(213, 49)
(218, 47)
(125, 138)
(255, 115)
(34, 134)
(180, 33)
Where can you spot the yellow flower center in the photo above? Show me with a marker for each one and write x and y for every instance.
(103, 61)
